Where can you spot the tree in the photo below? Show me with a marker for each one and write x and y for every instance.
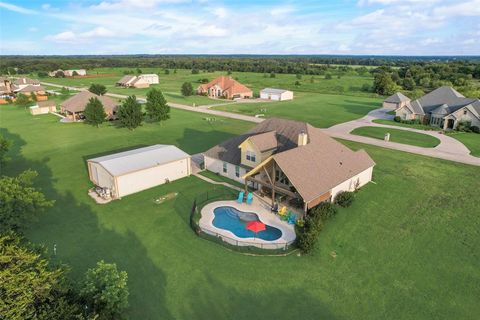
(383, 84)
(130, 113)
(42, 74)
(409, 83)
(175, 71)
(328, 76)
(4, 147)
(30, 288)
(157, 108)
(167, 71)
(298, 76)
(272, 74)
(297, 83)
(187, 89)
(59, 74)
(105, 290)
(74, 73)
(94, 112)
(98, 89)
(22, 100)
(195, 71)
(139, 71)
(19, 200)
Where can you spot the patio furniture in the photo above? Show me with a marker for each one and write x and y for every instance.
(291, 218)
(275, 208)
(283, 211)
(240, 197)
(249, 198)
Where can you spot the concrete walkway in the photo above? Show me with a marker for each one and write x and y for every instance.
(448, 149)
(228, 185)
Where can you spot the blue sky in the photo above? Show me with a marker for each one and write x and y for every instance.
(380, 27)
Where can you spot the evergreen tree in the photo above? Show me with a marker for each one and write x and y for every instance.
(157, 108)
(187, 89)
(98, 89)
(130, 113)
(94, 112)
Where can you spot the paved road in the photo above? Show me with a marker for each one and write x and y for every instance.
(448, 149)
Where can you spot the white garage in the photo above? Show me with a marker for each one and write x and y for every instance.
(132, 171)
(276, 94)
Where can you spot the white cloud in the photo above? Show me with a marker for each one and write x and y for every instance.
(91, 35)
(15, 8)
(220, 12)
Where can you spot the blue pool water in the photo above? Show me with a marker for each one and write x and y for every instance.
(234, 220)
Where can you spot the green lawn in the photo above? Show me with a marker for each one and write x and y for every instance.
(470, 140)
(320, 110)
(397, 135)
(219, 178)
(406, 249)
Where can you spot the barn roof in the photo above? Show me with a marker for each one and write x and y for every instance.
(139, 159)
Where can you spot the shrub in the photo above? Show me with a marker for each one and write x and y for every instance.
(344, 199)
(306, 241)
(475, 129)
(464, 126)
(323, 211)
(397, 119)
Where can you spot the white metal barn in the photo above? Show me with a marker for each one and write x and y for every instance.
(132, 171)
(276, 94)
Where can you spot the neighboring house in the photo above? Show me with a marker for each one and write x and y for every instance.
(396, 101)
(141, 81)
(225, 87)
(291, 159)
(132, 171)
(73, 107)
(37, 90)
(21, 83)
(6, 93)
(443, 107)
(276, 94)
(43, 107)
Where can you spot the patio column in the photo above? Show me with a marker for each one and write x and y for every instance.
(273, 182)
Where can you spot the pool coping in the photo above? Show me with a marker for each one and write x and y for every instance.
(265, 216)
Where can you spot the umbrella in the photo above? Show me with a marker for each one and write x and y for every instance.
(256, 226)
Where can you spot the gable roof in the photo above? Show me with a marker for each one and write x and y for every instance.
(126, 79)
(138, 159)
(31, 88)
(78, 102)
(265, 141)
(397, 98)
(314, 168)
(47, 103)
(21, 81)
(226, 84)
(273, 91)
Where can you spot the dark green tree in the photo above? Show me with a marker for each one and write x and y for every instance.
(187, 89)
(20, 201)
(272, 75)
(74, 73)
(408, 83)
(4, 147)
(59, 74)
(130, 113)
(156, 106)
(94, 112)
(167, 71)
(328, 76)
(105, 290)
(298, 76)
(195, 71)
(22, 100)
(98, 89)
(30, 288)
(42, 74)
(383, 84)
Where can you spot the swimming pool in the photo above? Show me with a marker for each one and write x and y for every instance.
(235, 221)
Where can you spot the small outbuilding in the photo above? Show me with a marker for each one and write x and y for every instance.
(132, 171)
(276, 94)
(43, 107)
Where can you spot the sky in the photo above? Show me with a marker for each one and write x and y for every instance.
(350, 27)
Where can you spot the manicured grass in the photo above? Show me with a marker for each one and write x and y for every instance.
(406, 249)
(406, 125)
(219, 178)
(397, 135)
(470, 140)
(320, 110)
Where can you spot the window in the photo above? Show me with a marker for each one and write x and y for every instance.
(465, 111)
(225, 167)
(237, 171)
(251, 156)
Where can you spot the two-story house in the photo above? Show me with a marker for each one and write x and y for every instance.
(293, 160)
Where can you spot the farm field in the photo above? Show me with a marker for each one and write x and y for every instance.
(406, 249)
(397, 135)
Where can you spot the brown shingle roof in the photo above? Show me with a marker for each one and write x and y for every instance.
(397, 98)
(125, 79)
(265, 141)
(313, 169)
(78, 102)
(32, 88)
(21, 81)
(47, 103)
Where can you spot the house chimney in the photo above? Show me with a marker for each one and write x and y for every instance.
(302, 138)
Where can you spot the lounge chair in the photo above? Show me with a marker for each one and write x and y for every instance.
(283, 211)
(249, 198)
(240, 197)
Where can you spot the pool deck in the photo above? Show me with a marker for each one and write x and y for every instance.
(265, 216)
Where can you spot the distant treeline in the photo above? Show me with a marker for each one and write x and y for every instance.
(308, 65)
